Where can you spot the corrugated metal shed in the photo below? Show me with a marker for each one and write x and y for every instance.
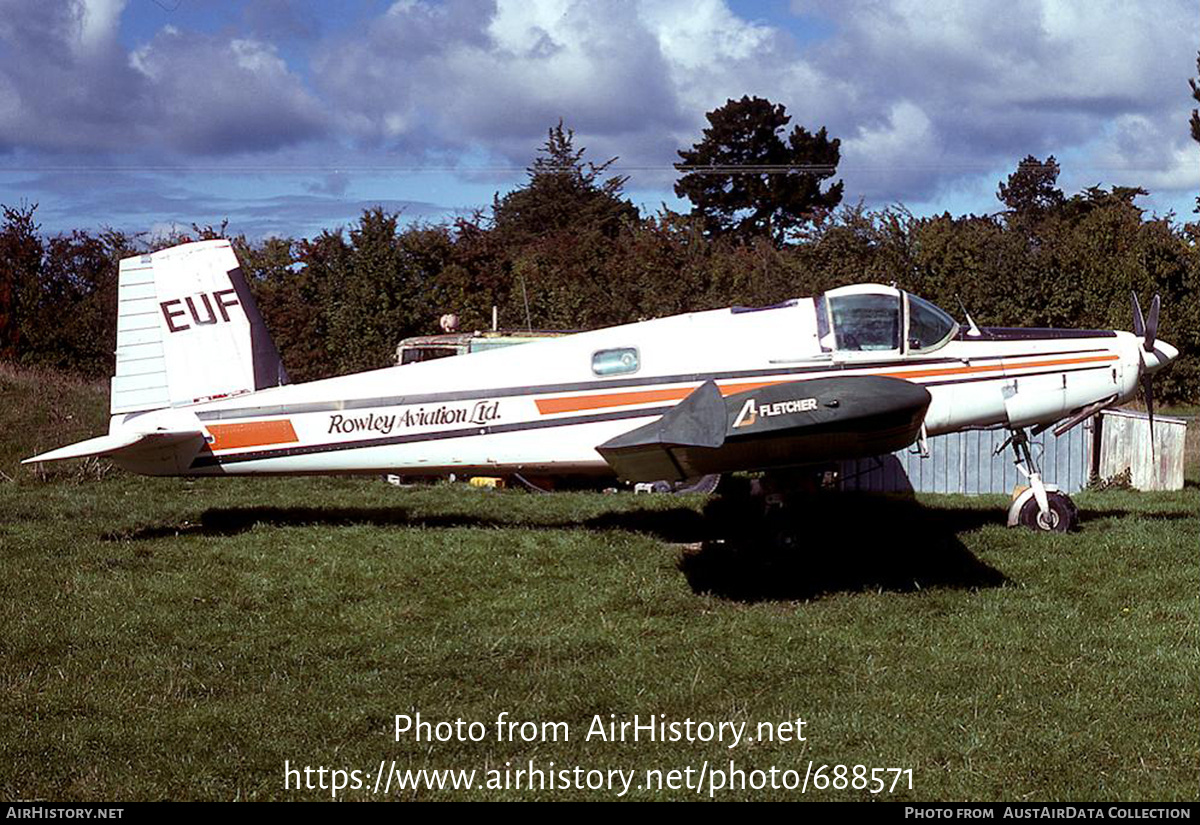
(1125, 446)
(1114, 442)
(965, 463)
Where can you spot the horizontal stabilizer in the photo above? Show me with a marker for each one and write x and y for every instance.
(130, 447)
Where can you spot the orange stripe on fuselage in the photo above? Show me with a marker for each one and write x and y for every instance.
(251, 434)
(546, 406)
(562, 404)
(575, 403)
(991, 367)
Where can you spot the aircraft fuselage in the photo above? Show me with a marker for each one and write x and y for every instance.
(544, 407)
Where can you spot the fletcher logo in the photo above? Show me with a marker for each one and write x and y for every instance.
(482, 412)
(751, 410)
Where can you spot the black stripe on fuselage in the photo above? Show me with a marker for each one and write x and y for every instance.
(1011, 377)
(1031, 334)
(211, 460)
(386, 441)
(583, 386)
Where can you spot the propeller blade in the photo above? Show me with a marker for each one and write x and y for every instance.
(1152, 325)
(1139, 320)
(1148, 389)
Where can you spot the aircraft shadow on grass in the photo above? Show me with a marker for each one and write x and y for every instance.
(853, 543)
(841, 543)
(830, 543)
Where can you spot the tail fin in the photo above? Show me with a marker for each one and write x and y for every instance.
(188, 330)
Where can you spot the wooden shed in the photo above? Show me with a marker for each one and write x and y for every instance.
(1122, 439)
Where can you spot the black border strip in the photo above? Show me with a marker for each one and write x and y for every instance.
(1031, 333)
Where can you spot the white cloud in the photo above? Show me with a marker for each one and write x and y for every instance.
(929, 98)
(1135, 150)
(71, 87)
(210, 95)
(924, 95)
(999, 80)
(424, 77)
(695, 34)
(98, 23)
(908, 130)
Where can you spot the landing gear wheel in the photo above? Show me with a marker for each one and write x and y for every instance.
(699, 484)
(780, 530)
(1062, 518)
(704, 484)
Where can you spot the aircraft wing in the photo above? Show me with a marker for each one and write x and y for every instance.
(778, 425)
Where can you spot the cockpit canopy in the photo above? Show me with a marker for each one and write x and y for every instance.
(871, 317)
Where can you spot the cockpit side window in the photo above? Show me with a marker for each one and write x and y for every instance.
(824, 336)
(866, 322)
(928, 326)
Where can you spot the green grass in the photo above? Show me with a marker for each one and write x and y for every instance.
(173, 639)
(182, 639)
(41, 410)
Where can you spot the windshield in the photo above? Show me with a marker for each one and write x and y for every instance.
(928, 326)
(866, 322)
(414, 355)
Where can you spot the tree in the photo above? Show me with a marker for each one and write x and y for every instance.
(370, 311)
(58, 295)
(20, 266)
(542, 261)
(1195, 84)
(1121, 198)
(350, 302)
(1030, 192)
(1196, 94)
(563, 192)
(745, 180)
(292, 307)
(74, 326)
(308, 302)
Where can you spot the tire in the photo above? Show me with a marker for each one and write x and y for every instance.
(703, 484)
(547, 484)
(1062, 518)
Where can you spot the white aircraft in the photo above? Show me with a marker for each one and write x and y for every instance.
(859, 371)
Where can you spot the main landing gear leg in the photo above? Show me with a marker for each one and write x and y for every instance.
(1042, 506)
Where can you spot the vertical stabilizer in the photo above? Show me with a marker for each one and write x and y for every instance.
(188, 330)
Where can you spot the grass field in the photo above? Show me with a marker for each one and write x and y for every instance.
(182, 639)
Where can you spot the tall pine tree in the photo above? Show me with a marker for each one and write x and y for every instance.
(746, 180)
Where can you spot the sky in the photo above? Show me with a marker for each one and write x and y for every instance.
(287, 118)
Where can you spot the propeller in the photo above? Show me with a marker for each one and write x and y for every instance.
(1147, 329)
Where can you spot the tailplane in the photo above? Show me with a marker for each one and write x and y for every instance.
(160, 452)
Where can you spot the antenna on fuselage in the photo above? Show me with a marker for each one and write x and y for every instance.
(972, 329)
(525, 295)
